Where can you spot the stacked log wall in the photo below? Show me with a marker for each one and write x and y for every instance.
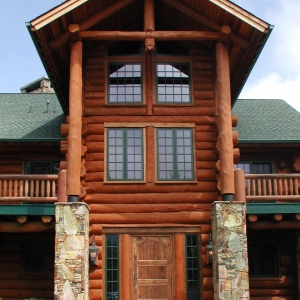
(150, 202)
(15, 284)
(285, 285)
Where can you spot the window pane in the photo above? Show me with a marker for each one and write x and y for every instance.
(173, 83)
(125, 83)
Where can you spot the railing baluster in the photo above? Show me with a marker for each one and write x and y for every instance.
(31, 188)
(53, 188)
(296, 186)
(248, 187)
(10, 188)
(48, 189)
(21, 188)
(280, 186)
(37, 188)
(270, 192)
(16, 188)
(5, 188)
(26, 188)
(43, 188)
(264, 187)
(286, 191)
(291, 190)
(259, 187)
(253, 187)
(0, 187)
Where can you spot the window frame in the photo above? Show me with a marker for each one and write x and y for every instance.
(193, 154)
(168, 62)
(109, 126)
(251, 162)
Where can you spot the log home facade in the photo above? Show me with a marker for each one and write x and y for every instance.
(147, 88)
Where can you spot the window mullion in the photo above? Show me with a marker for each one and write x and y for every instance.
(124, 153)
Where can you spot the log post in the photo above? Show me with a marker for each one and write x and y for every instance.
(126, 260)
(224, 121)
(75, 123)
(180, 289)
(239, 182)
(62, 185)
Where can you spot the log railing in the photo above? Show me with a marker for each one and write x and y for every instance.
(28, 188)
(272, 187)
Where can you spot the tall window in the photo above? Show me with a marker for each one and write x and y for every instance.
(175, 154)
(125, 154)
(125, 83)
(263, 260)
(173, 83)
(192, 267)
(112, 266)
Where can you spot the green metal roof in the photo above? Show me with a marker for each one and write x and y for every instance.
(34, 117)
(266, 121)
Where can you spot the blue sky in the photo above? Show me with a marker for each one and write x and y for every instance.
(275, 75)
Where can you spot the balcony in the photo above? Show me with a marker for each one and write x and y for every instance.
(272, 187)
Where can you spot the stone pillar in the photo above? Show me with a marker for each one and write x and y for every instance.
(230, 267)
(298, 261)
(71, 251)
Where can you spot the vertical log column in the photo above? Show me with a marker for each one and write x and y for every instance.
(71, 279)
(75, 123)
(224, 122)
(230, 255)
(298, 261)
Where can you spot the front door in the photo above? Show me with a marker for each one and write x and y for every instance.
(152, 267)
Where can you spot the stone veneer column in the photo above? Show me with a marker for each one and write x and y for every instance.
(71, 251)
(230, 268)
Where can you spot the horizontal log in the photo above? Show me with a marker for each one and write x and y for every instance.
(99, 187)
(269, 225)
(202, 76)
(204, 128)
(152, 198)
(94, 87)
(203, 86)
(94, 147)
(208, 94)
(202, 65)
(92, 74)
(95, 273)
(205, 137)
(94, 95)
(95, 294)
(4, 169)
(205, 164)
(95, 129)
(205, 145)
(95, 176)
(206, 175)
(265, 292)
(11, 161)
(25, 284)
(150, 218)
(14, 227)
(95, 138)
(147, 208)
(142, 35)
(183, 111)
(198, 120)
(100, 81)
(208, 295)
(94, 166)
(94, 102)
(283, 198)
(94, 157)
(114, 111)
(95, 284)
(206, 155)
(282, 282)
(23, 294)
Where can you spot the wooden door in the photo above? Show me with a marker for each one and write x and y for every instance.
(152, 267)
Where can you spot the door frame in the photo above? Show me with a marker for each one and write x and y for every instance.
(125, 233)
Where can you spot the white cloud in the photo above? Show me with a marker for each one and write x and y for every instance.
(274, 86)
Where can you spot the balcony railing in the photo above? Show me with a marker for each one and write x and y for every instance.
(272, 187)
(28, 188)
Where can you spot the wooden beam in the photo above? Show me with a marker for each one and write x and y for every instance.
(126, 266)
(46, 219)
(239, 182)
(224, 119)
(21, 219)
(157, 35)
(180, 266)
(14, 227)
(252, 218)
(75, 120)
(74, 32)
(277, 217)
(149, 16)
(225, 33)
(185, 9)
(62, 39)
(268, 225)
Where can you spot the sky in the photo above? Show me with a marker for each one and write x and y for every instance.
(276, 74)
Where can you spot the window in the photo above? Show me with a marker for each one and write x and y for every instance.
(263, 260)
(255, 167)
(34, 258)
(173, 83)
(41, 167)
(125, 154)
(175, 154)
(112, 267)
(192, 267)
(125, 83)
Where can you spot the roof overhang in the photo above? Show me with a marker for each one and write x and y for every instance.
(247, 38)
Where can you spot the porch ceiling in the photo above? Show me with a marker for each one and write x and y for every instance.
(50, 31)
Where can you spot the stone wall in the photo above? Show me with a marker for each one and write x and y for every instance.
(71, 251)
(231, 281)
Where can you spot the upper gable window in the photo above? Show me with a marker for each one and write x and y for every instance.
(125, 48)
(173, 83)
(125, 83)
(172, 48)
